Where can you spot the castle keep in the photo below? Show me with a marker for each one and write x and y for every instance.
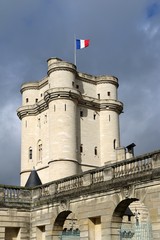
(77, 181)
(70, 123)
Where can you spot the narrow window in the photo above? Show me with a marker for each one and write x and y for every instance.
(39, 122)
(36, 100)
(41, 94)
(30, 153)
(54, 108)
(95, 151)
(94, 116)
(114, 143)
(109, 118)
(109, 94)
(65, 107)
(27, 100)
(81, 148)
(72, 84)
(40, 151)
(98, 95)
(26, 123)
(45, 118)
(77, 86)
(81, 113)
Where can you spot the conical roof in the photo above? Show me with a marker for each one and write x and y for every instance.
(33, 179)
(128, 212)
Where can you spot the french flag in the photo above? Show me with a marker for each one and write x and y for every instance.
(82, 43)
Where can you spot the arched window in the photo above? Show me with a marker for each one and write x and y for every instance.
(40, 151)
(30, 153)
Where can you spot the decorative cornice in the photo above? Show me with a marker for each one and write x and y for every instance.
(73, 95)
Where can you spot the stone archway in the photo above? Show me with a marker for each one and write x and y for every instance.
(117, 217)
(140, 222)
(58, 224)
(65, 226)
(131, 220)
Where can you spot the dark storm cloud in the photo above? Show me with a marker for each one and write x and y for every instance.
(124, 42)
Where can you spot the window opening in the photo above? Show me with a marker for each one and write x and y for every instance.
(30, 153)
(54, 108)
(65, 107)
(98, 95)
(39, 122)
(114, 143)
(27, 100)
(72, 84)
(36, 100)
(94, 116)
(95, 151)
(40, 151)
(81, 148)
(109, 118)
(77, 86)
(45, 118)
(81, 113)
(109, 94)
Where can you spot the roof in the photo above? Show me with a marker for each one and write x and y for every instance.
(33, 179)
(128, 212)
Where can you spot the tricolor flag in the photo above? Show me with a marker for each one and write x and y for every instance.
(82, 43)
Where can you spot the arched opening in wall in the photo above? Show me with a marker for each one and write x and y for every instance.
(131, 220)
(66, 226)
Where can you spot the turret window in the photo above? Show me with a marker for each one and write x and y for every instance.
(65, 107)
(36, 100)
(81, 148)
(108, 94)
(114, 143)
(95, 151)
(81, 113)
(30, 153)
(40, 149)
(98, 95)
(27, 100)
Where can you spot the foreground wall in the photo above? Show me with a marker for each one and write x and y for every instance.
(93, 203)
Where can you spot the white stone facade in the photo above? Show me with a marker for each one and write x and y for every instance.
(70, 123)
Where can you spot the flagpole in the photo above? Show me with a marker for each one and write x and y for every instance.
(75, 50)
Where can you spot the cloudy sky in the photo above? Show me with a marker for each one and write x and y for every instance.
(125, 42)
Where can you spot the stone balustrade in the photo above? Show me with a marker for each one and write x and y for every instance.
(148, 164)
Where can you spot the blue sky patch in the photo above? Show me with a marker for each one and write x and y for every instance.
(153, 10)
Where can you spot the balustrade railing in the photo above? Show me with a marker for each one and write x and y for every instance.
(132, 167)
(129, 168)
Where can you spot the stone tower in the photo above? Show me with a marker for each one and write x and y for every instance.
(70, 122)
